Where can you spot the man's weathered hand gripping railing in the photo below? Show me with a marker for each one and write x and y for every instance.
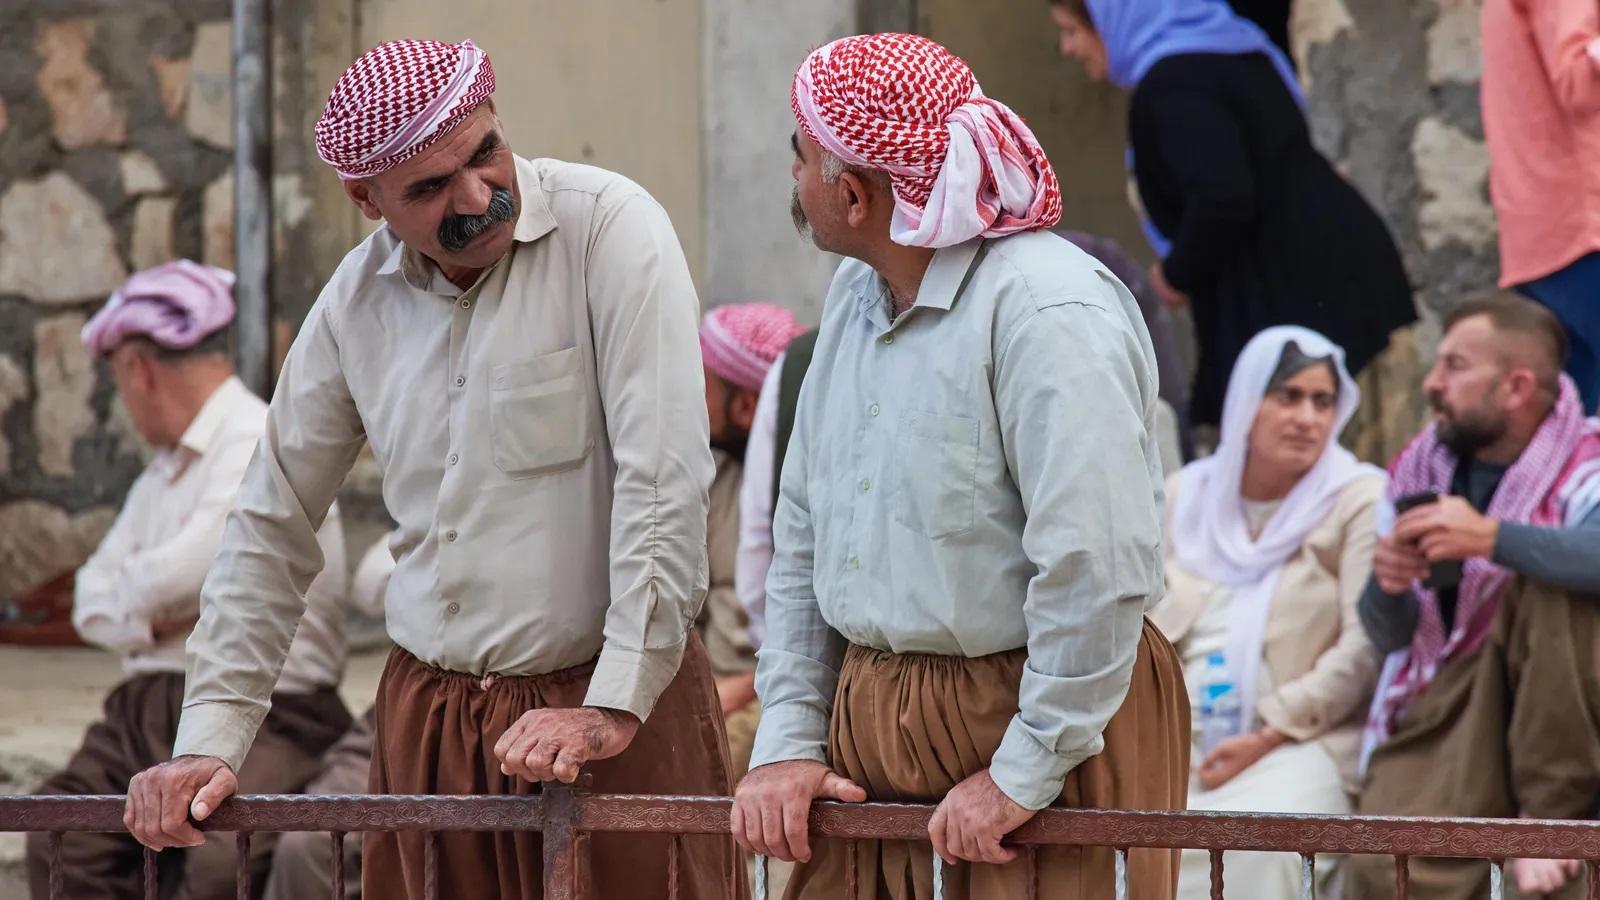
(562, 812)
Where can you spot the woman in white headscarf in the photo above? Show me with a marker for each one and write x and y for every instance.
(1268, 547)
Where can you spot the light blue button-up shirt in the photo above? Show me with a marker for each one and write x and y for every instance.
(978, 475)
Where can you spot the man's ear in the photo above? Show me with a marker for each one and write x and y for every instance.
(364, 195)
(1521, 386)
(859, 198)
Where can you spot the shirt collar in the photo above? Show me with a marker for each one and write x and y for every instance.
(533, 222)
(201, 434)
(941, 283)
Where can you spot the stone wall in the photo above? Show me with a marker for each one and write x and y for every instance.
(115, 150)
(1393, 90)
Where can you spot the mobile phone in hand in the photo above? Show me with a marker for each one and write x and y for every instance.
(1445, 573)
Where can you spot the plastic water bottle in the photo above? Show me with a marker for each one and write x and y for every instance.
(1220, 711)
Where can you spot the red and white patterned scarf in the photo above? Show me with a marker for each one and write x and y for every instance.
(962, 164)
(397, 100)
(1538, 489)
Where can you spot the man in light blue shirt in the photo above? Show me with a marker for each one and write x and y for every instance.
(968, 533)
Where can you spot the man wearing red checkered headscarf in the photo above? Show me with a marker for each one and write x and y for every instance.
(968, 532)
(517, 343)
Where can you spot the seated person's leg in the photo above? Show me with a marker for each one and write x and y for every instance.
(139, 724)
(302, 865)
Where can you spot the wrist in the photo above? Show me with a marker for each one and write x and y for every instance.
(1272, 737)
(1491, 536)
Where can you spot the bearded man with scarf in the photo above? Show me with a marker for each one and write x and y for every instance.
(1484, 599)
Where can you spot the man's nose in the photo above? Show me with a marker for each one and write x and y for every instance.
(472, 197)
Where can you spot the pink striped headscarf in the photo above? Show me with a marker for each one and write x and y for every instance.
(175, 305)
(740, 341)
(962, 164)
(1535, 491)
(396, 100)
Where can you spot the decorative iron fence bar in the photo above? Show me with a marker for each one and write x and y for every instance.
(562, 812)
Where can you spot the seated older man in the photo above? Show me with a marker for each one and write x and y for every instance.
(1484, 597)
(164, 335)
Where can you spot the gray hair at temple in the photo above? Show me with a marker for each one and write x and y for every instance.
(833, 167)
(1293, 361)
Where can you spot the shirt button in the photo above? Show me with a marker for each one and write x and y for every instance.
(455, 458)
(466, 304)
(873, 409)
(866, 485)
(450, 536)
(453, 608)
(888, 339)
(460, 380)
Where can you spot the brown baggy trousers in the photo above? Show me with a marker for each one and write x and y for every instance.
(436, 735)
(1513, 728)
(909, 727)
(137, 729)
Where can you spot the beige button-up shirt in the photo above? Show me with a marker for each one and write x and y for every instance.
(544, 448)
(152, 562)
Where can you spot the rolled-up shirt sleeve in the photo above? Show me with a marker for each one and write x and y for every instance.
(645, 317)
(255, 595)
(104, 611)
(798, 664)
(1070, 391)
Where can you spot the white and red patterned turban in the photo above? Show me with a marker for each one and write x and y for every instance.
(175, 305)
(396, 100)
(740, 341)
(962, 164)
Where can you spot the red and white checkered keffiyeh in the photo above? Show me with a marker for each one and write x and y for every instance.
(962, 164)
(396, 100)
(740, 341)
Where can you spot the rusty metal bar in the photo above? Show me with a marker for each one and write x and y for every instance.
(1389, 836)
(560, 813)
(152, 889)
(57, 875)
(672, 869)
(243, 844)
(852, 890)
(1031, 854)
(1402, 878)
(1308, 876)
(1122, 873)
(1216, 875)
(430, 865)
(338, 864)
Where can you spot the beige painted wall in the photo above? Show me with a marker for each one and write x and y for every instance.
(1011, 46)
(614, 83)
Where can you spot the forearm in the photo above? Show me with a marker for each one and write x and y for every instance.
(1390, 620)
(1566, 558)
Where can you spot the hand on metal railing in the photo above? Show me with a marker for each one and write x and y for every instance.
(162, 800)
(773, 804)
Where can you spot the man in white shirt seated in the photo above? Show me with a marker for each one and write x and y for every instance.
(164, 336)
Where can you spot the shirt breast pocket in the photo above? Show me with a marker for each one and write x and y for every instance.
(539, 415)
(936, 462)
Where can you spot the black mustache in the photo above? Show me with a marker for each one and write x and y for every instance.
(456, 232)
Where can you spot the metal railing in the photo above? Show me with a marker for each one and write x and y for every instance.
(561, 813)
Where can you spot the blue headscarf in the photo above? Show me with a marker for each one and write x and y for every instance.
(1140, 33)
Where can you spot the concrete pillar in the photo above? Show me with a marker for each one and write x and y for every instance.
(751, 51)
